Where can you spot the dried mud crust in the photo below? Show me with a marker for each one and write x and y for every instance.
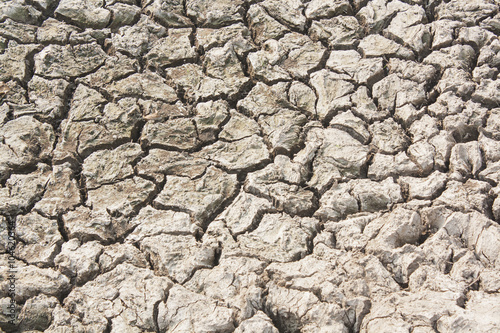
(251, 165)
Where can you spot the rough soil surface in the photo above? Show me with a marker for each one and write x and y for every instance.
(250, 165)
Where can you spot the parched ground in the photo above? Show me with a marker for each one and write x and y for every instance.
(250, 166)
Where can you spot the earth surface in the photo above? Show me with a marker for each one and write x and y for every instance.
(250, 166)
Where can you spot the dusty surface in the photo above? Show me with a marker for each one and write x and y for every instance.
(250, 166)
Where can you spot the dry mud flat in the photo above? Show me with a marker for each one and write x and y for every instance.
(250, 166)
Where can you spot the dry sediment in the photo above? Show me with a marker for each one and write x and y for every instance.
(250, 166)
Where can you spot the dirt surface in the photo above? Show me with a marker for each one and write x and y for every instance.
(249, 166)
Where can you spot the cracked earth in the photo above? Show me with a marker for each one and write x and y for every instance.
(250, 165)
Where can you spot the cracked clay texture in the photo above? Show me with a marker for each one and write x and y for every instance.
(250, 166)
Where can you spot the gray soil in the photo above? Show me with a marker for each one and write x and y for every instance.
(262, 166)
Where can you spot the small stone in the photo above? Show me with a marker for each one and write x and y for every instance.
(388, 137)
(333, 93)
(12, 61)
(86, 14)
(123, 14)
(123, 198)
(458, 56)
(263, 26)
(353, 125)
(424, 188)
(201, 197)
(153, 222)
(238, 155)
(79, 260)
(277, 238)
(202, 313)
(465, 160)
(25, 142)
(379, 46)
(318, 9)
(145, 85)
(139, 38)
(39, 239)
(363, 71)
(61, 194)
(161, 162)
(110, 166)
(393, 92)
(473, 195)
(302, 97)
(116, 254)
(263, 99)
(395, 229)
(209, 118)
(21, 33)
(283, 130)
(238, 35)
(239, 127)
(215, 14)
(338, 32)
(178, 133)
(87, 225)
(171, 50)
(22, 191)
(170, 14)
(57, 61)
(290, 15)
(340, 156)
(258, 323)
(177, 256)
